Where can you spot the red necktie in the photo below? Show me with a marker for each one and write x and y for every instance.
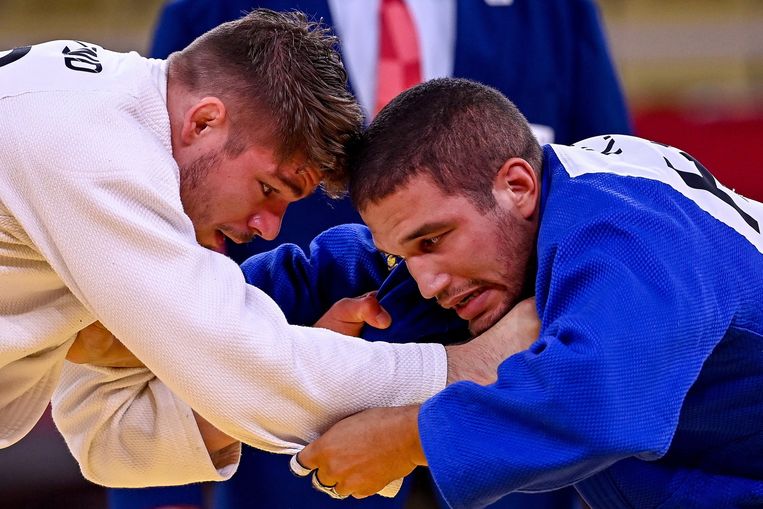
(399, 65)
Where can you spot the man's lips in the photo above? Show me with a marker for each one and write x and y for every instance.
(469, 304)
(237, 236)
(218, 243)
(460, 299)
(473, 304)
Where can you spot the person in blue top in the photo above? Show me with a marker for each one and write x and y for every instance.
(643, 387)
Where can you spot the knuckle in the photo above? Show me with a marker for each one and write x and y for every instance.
(307, 458)
(367, 308)
(325, 478)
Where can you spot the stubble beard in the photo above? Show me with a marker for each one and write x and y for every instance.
(194, 192)
(515, 249)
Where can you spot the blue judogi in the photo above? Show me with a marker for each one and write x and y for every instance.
(644, 387)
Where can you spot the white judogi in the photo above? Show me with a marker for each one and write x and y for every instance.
(92, 227)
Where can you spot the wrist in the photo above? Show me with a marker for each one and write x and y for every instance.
(214, 440)
(416, 451)
(472, 361)
(455, 358)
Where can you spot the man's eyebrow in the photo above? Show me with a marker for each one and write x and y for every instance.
(291, 182)
(423, 230)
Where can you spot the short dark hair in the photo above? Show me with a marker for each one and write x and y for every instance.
(281, 77)
(456, 131)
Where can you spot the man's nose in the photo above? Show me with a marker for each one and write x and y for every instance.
(267, 222)
(429, 278)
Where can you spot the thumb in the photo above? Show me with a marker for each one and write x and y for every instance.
(371, 312)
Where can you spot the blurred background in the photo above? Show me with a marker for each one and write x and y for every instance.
(692, 74)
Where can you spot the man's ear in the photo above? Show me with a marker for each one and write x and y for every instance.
(202, 118)
(516, 186)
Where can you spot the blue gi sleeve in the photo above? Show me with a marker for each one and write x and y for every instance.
(414, 318)
(343, 262)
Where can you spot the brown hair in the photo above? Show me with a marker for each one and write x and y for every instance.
(457, 132)
(280, 76)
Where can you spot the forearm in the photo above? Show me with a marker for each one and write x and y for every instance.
(312, 379)
(301, 391)
(230, 354)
